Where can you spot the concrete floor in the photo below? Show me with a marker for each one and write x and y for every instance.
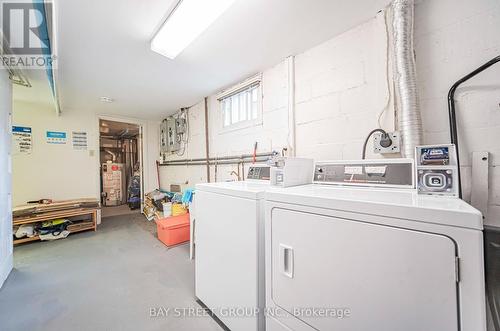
(104, 280)
(118, 210)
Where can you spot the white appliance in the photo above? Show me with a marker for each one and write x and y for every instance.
(229, 249)
(113, 184)
(371, 258)
(289, 172)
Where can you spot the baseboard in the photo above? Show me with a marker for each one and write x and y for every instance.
(6, 268)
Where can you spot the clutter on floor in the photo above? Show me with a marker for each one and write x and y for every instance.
(53, 220)
(173, 230)
(158, 204)
(134, 190)
(170, 211)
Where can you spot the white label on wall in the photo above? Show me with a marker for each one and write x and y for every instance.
(22, 140)
(56, 137)
(79, 140)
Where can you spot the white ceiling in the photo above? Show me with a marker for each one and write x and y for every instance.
(104, 49)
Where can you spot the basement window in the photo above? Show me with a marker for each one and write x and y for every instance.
(241, 106)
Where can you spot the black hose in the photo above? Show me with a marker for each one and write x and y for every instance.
(368, 138)
(452, 112)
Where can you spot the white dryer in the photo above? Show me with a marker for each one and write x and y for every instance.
(372, 259)
(229, 241)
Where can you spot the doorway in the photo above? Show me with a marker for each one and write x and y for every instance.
(121, 178)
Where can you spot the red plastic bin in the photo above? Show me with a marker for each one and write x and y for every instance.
(173, 230)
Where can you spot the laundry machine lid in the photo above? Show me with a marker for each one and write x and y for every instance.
(243, 189)
(399, 203)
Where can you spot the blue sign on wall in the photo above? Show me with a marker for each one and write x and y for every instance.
(56, 137)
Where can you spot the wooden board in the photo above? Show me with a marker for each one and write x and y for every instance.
(33, 209)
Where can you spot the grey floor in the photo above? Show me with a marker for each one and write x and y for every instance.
(118, 210)
(104, 280)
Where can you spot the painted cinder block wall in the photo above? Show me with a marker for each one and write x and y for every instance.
(341, 89)
(5, 176)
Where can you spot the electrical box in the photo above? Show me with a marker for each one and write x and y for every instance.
(163, 137)
(173, 141)
(386, 144)
(180, 125)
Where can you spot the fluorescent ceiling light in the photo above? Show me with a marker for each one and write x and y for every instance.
(188, 20)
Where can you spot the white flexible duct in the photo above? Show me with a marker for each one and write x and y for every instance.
(409, 120)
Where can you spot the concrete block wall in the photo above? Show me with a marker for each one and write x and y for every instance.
(188, 175)
(5, 176)
(341, 89)
(452, 38)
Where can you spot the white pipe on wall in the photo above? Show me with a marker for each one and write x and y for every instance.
(290, 61)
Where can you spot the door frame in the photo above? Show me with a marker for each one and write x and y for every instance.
(142, 152)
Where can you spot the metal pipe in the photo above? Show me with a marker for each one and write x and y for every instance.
(235, 157)
(207, 149)
(452, 112)
(291, 105)
(215, 162)
(410, 123)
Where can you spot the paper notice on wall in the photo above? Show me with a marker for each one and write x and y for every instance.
(56, 137)
(80, 140)
(22, 140)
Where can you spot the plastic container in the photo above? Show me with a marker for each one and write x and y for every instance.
(178, 209)
(167, 209)
(173, 230)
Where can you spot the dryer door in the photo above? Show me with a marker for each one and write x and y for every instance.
(339, 274)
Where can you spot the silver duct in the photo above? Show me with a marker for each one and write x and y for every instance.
(409, 120)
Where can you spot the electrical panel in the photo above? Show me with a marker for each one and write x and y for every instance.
(169, 137)
(163, 137)
(173, 141)
(437, 171)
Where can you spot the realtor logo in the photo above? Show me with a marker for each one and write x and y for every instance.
(26, 27)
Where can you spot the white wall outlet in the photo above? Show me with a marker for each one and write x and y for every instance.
(387, 145)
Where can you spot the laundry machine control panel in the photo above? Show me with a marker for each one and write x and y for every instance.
(437, 170)
(259, 172)
(380, 173)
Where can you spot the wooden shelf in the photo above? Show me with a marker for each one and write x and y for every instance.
(56, 215)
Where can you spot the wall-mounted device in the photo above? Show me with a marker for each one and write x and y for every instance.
(180, 125)
(397, 173)
(386, 143)
(436, 170)
(287, 172)
(169, 137)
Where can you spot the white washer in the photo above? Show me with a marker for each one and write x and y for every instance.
(386, 259)
(229, 259)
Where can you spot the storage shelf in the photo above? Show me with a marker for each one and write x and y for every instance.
(56, 215)
(37, 237)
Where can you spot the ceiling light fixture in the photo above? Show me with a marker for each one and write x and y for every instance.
(185, 23)
(106, 99)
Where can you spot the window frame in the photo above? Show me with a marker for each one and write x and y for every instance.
(255, 81)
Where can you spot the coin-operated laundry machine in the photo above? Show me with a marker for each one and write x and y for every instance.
(361, 250)
(229, 241)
